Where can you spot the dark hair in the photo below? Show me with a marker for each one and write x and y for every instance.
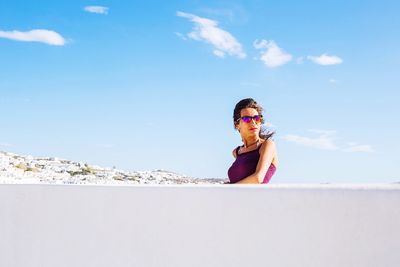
(250, 103)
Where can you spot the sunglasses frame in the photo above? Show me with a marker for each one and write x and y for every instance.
(251, 118)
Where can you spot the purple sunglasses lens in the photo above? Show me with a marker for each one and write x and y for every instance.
(247, 119)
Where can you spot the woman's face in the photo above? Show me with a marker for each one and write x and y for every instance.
(251, 128)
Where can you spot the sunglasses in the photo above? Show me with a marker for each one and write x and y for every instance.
(247, 119)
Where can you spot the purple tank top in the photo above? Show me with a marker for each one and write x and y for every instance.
(246, 164)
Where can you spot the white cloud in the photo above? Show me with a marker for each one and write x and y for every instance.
(234, 13)
(96, 9)
(269, 125)
(180, 35)
(333, 81)
(322, 132)
(39, 35)
(322, 142)
(325, 60)
(353, 147)
(6, 145)
(326, 141)
(219, 53)
(300, 60)
(208, 31)
(273, 56)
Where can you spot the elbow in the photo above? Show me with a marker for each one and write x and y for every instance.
(259, 179)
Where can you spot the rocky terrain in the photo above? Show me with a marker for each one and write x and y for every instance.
(18, 169)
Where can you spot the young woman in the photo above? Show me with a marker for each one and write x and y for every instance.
(256, 160)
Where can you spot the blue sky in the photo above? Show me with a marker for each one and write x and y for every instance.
(144, 85)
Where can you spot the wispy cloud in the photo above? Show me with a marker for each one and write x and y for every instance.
(326, 141)
(326, 60)
(300, 60)
(332, 81)
(180, 35)
(6, 145)
(219, 53)
(234, 13)
(96, 9)
(39, 35)
(358, 148)
(207, 30)
(273, 56)
(269, 125)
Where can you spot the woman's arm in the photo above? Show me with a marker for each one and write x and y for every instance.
(267, 153)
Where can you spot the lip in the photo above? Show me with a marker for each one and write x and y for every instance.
(252, 129)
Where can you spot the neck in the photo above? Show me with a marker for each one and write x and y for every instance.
(250, 140)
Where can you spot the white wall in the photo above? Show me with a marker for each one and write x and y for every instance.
(216, 225)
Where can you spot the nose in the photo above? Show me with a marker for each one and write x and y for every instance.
(253, 121)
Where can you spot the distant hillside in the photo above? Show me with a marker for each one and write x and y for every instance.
(27, 169)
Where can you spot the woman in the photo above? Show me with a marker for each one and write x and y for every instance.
(256, 160)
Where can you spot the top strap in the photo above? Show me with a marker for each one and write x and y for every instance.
(237, 150)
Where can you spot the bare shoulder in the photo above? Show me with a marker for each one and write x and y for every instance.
(267, 142)
(267, 145)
